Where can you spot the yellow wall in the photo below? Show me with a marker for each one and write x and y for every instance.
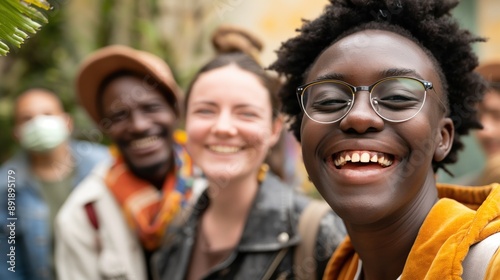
(273, 21)
(489, 26)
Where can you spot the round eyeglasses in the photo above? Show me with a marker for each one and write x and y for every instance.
(395, 99)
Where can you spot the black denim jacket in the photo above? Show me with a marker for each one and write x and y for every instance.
(271, 226)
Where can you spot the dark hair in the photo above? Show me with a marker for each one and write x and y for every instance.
(428, 23)
(247, 63)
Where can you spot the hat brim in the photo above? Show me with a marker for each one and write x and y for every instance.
(109, 60)
(490, 71)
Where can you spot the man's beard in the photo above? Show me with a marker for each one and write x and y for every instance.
(150, 171)
(153, 171)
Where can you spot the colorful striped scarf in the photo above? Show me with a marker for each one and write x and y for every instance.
(147, 210)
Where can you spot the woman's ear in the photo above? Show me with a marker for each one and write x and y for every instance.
(445, 139)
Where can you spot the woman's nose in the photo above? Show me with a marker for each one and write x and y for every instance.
(224, 125)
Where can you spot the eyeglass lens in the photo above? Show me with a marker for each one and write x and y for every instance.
(394, 99)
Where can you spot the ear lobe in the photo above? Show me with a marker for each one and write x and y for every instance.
(445, 138)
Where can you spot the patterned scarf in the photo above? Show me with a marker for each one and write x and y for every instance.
(147, 210)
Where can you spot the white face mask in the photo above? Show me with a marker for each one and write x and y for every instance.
(43, 133)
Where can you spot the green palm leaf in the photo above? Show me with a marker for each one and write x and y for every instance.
(18, 20)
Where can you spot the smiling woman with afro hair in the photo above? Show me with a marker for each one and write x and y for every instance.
(428, 23)
(384, 90)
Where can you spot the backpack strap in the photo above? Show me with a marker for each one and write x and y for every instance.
(90, 210)
(476, 262)
(92, 216)
(274, 265)
(309, 221)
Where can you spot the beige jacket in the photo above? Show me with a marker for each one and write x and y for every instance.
(78, 255)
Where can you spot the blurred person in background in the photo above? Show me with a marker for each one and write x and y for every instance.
(245, 225)
(489, 136)
(489, 114)
(43, 173)
(115, 221)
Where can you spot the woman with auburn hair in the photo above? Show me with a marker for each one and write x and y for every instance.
(245, 225)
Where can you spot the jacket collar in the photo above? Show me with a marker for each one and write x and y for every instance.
(271, 224)
(451, 227)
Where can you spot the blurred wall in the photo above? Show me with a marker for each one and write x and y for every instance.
(274, 21)
(489, 26)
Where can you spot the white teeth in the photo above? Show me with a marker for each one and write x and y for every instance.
(144, 142)
(224, 149)
(364, 157)
(355, 157)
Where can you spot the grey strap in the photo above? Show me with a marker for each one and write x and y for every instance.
(479, 256)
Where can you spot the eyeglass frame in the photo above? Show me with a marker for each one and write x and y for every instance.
(354, 89)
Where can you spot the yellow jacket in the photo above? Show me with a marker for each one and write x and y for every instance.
(461, 218)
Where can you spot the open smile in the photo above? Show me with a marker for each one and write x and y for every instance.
(361, 158)
(224, 149)
(145, 145)
(361, 167)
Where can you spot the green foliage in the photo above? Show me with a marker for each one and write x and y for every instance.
(19, 19)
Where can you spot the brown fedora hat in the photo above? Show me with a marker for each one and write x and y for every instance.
(108, 60)
(490, 71)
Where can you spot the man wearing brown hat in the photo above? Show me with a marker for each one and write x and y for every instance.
(115, 220)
